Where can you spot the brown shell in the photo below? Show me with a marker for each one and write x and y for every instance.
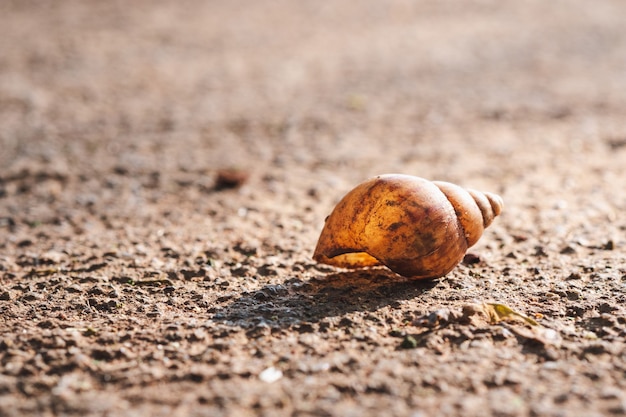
(415, 227)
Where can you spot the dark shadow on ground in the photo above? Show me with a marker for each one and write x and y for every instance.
(297, 301)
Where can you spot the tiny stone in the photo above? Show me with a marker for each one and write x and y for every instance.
(230, 178)
(396, 332)
(409, 342)
(270, 375)
(609, 245)
(471, 259)
(573, 295)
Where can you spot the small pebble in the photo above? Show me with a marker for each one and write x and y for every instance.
(270, 375)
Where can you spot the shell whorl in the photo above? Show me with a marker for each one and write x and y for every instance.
(490, 205)
(475, 210)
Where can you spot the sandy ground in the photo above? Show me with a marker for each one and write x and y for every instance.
(136, 279)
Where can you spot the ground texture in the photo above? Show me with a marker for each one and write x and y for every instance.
(166, 168)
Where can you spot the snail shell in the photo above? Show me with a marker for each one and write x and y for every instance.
(415, 227)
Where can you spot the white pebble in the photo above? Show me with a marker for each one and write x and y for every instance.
(270, 375)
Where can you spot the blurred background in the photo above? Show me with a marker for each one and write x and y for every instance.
(311, 97)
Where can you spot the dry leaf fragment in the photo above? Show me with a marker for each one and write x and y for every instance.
(494, 313)
(498, 312)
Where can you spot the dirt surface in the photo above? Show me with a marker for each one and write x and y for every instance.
(166, 168)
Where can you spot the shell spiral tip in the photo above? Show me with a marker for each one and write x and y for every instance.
(496, 203)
